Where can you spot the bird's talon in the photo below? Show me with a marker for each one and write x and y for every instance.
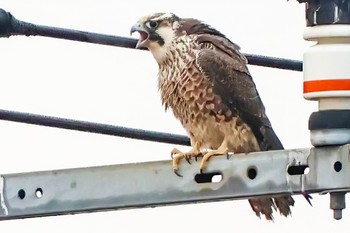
(176, 171)
(196, 156)
(188, 159)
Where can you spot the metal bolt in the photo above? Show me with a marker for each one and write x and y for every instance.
(337, 214)
(337, 204)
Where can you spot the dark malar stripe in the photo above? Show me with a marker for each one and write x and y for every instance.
(155, 37)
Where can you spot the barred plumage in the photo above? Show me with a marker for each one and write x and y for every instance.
(204, 79)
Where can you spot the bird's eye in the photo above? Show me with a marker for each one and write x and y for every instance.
(151, 24)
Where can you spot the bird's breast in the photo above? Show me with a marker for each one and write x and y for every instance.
(187, 91)
(190, 94)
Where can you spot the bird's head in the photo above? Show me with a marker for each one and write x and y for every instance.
(160, 31)
(157, 33)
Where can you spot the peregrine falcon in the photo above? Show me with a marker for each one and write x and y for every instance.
(204, 79)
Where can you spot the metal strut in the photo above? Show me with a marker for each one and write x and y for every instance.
(151, 184)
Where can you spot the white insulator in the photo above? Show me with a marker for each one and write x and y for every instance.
(327, 66)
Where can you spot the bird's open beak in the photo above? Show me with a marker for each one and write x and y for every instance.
(143, 35)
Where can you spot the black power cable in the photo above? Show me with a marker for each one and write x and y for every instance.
(10, 26)
(93, 127)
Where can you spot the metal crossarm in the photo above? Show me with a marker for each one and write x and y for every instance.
(153, 184)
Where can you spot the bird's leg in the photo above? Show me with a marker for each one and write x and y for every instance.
(223, 149)
(177, 155)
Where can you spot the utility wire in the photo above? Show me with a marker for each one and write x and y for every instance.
(93, 127)
(10, 26)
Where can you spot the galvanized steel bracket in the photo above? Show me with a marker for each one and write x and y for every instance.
(150, 184)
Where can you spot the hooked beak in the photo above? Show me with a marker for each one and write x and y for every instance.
(143, 35)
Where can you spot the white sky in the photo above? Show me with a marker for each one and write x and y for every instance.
(118, 86)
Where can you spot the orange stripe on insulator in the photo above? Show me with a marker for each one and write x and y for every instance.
(327, 85)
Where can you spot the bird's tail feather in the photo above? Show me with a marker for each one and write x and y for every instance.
(283, 204)
(266, 206)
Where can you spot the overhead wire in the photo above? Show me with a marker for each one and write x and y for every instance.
(10, 26)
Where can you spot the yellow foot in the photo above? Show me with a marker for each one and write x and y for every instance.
(222, 150)
(177, 156)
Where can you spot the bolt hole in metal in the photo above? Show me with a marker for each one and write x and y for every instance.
(210, 177)
(21, 194)
(337, 166)
(298, 170)
(39, 193)
(252, 172)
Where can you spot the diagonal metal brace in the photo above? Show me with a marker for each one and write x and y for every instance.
(153, 184)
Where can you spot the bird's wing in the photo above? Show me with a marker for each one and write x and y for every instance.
(226, 69)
